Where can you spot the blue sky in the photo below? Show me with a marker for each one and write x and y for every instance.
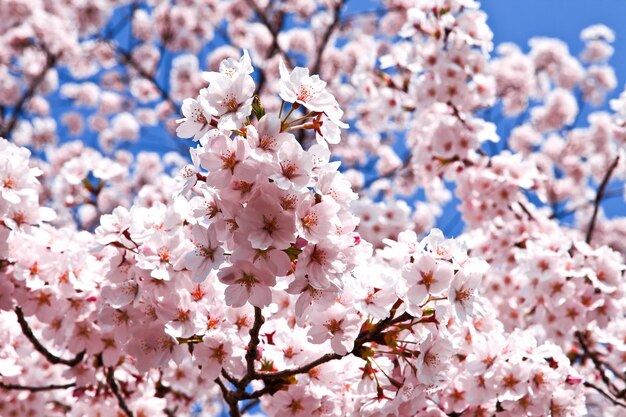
(514, 21)
(519, 20)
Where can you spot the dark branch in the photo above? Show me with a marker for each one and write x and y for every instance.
(230, 397)
(40, 348)
(248, 406)
(599, 194)
(252, 351)
(604, 394)
(274, 47)
(598, 364)
(364, 337)
(619, 192)
(52, 387)
(116, 391)
(269, 376)
(28, 94)
(315, 68)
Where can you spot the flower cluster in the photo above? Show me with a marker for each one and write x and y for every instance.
(283, 261)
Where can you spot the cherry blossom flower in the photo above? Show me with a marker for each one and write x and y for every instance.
(246, 283)
(197, 118)
(310, 91)
(462, 292)
(230, 100)
(294, 167)
(267, 224)
(266, 137)
(208, 254)
(426, 277)
(432, 361)
(338, 325)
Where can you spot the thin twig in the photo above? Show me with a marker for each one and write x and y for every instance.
(604, 394)
(31, 388)
(41, 348)
(229, 377)
(229, 398)
(599, 193)
(127, 58)
(619, 192)
(28, 94)
(252, 351)
(599, 365)
(248, 406)
(315, 68)
(363, 338)
(116, 391)
(269, 376)
(274, 29)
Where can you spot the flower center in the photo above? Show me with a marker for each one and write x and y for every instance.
(288, 169)
(230, 103)
(270, 224)
(305, 93)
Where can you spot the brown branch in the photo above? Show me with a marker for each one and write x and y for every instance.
(315, 68)
(607, 194)
(275, 380)
(274, 47)
(127, 58)
(599, 193)
(28, 94)
(599, 365)
(604, 394)
(274, 29)
(41, 348)
(230, 398)
(248, 406)
(30, 388)
(363, 338)
(525, 209)
(116, 391)
(271, 376)
(229, 377)
(254, 340)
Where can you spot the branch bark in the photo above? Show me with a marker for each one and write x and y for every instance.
(41, 348)
(599, 194)
(28, 94)
(600, 365)
(127, 59)
(31, 388)
(315, 68)
(121, 402)
(274, 30)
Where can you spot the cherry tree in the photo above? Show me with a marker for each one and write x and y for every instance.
(276, 258)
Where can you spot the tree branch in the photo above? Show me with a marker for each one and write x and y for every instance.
(252, 351)
(315, 68)
(128, 59)
(229, 398)
(116, 391)
(363, 338)
(599, 365)
(599, 193)
(35, 388)
(40, 348)
(607, 194)
(604, 394)
(274, 30)
(248, 406)
(28, 94)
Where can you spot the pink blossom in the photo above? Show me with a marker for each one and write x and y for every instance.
(246, 283)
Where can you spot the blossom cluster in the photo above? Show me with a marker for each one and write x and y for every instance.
(283, 261)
